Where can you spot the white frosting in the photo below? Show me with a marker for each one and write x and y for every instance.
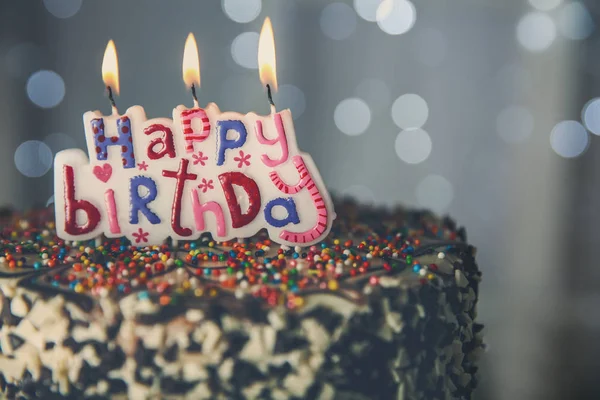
(277, 319)
(200, 392)
(297, 384)
(45, 313)
(316, 334)
(88, 353)
(76, 312)
(208, 334)
(194, 316)
(94, 332)
(153, 337)
(19, 307)
(25, 329)
(194, 371)
(261, 342)
(226, 369)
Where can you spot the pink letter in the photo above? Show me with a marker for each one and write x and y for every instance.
(305, 181)
(111, 209)
(199, 210)
(281, 139)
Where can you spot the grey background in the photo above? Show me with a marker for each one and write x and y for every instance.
(531, 213)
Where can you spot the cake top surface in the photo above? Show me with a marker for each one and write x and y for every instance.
(366, 247)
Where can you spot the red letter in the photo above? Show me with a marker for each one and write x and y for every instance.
(168, 148)
(181, 175)
(228, 179)
(72, 206)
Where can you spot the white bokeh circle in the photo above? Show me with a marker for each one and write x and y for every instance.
(396, 17)
(352, 116)
(435, 192)
(575, 21)
(337, 21)
(367, 9)
(545, 5)
(410, 111)
(33, 158)
(591, 116)
(290, 96)
(413, 146)
(63, 8)
(536, 31)
(242, 11)
(45, 89)
(569, 139)
(514, 124)
(375, 92)
(244, 50)
(360, 193)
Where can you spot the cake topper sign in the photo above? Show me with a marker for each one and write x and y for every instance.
(202, 171)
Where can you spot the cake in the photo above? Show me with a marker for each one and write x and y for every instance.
(384, 308)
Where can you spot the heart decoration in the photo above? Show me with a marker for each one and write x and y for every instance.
(103, 172)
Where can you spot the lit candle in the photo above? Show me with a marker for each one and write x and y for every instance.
(110, 73)
(266, 60)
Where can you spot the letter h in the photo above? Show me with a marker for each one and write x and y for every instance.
(123, 139)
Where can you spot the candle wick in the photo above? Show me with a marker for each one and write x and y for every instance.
(270, 96)
(194, 96)
(112, 100)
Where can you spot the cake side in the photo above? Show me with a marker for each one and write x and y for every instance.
(401, 325)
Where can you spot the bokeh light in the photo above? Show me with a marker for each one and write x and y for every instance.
(45, 89)
(360, 193)
(514, 124)
(33, 158)
(569, 139)
(413, 146)
(338, 21)
(59, 141)
(575, 21)
(352, 116)
(244, 50)
(367, 9)
(62, 8)
(410, 111)
(396, 17)
(591, 116)
(375, 92)
(435, 192)
(545, 5)
(242, 11)
(536, 31)
(290, 96)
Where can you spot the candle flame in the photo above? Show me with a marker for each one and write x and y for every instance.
(266, 55)
(191, 62)
(110, 67)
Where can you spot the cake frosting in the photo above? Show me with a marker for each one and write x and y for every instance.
(384, 308)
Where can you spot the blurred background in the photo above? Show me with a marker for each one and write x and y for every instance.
(486, 110)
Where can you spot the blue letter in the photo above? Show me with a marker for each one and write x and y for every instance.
(289, 206)
(224, 143)
(139, 203)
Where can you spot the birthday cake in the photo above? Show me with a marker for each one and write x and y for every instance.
(383, 308)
